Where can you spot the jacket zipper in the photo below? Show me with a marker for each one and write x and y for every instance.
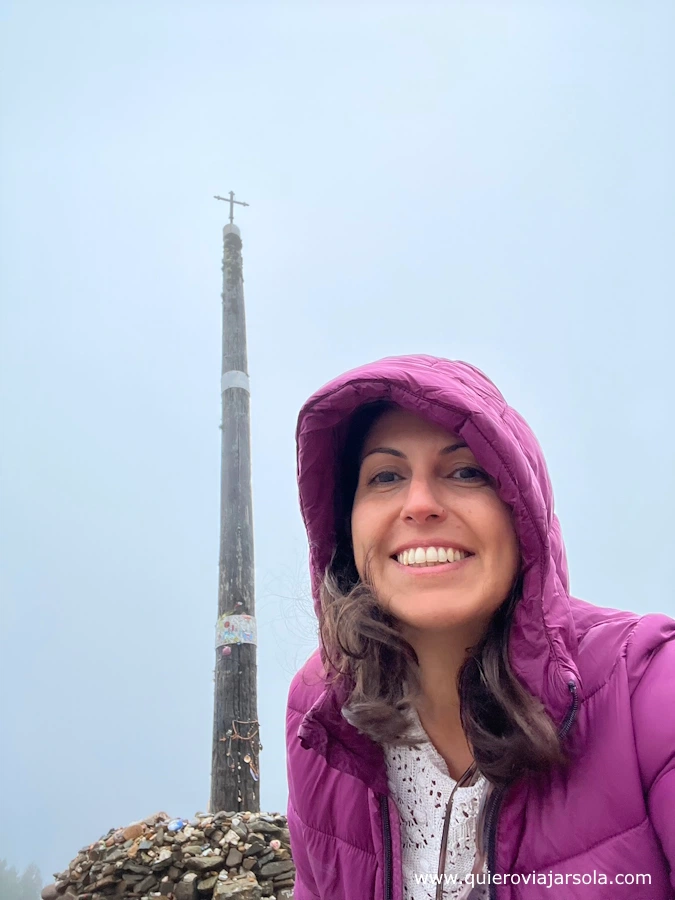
(388, 865)
(571, 715)
(498, 796)
(491, 830)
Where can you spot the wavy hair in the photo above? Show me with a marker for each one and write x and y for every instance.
(508, 729)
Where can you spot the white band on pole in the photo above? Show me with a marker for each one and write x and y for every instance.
(234, 378)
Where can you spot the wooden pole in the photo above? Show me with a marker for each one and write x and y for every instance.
(236, 739)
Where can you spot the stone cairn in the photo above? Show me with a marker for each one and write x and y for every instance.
(244, 856)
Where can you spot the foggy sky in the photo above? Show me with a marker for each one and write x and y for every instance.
(483, 181)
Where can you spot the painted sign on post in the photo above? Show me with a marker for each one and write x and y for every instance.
(236, 630)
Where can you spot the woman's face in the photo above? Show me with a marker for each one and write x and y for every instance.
(420, 488)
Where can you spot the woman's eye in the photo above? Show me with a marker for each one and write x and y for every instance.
(470, 473)
(383, 478)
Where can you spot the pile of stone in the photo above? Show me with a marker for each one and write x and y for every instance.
(243, 856)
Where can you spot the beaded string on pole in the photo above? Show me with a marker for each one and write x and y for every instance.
(251, 757)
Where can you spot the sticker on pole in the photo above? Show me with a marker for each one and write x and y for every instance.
(236, 630)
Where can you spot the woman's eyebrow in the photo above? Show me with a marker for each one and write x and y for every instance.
(390, 450)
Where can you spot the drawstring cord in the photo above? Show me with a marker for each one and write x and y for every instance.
(464, 781)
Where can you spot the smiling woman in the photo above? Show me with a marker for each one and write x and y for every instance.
(415, 491)
(464, 719)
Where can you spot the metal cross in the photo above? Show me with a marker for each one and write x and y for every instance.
(231, 201)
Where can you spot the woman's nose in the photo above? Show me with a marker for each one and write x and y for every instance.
(421, 502)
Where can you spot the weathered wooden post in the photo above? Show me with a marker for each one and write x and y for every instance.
(145, 864)
(236, 738)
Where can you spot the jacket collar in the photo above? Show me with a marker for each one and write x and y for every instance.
(325, 730)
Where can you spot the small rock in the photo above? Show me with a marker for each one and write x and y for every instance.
(143, 886)
(133, 831)
(244, 887)
(263, 827)
(277, 868)
(234, 858)
(203, 863)
(109, 882)
(206, 885)
(187, 888)
(137, 868)
(163, 861)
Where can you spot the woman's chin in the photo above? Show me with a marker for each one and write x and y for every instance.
(434, 618)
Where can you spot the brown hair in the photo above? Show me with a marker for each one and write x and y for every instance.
(508, 729)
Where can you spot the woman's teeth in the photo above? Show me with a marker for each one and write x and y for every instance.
(430, 556)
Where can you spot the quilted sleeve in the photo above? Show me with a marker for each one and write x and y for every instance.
(305, 887)
(654, 727)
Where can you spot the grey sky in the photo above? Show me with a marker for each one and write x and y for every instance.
(484, 181)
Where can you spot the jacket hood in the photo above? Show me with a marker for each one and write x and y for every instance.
(460, 398)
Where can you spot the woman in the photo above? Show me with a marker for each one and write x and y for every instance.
(467, 728)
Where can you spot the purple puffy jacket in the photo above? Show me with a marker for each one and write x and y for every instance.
(606, 677)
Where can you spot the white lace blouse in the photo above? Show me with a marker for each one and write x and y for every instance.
(420, 785)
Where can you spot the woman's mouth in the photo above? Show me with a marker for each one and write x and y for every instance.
(429, 556)
(418, 560)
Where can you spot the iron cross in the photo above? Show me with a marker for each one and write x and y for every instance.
(231, 201)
